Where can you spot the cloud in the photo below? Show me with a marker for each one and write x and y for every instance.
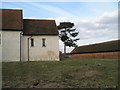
(94, 30)
(109, 18)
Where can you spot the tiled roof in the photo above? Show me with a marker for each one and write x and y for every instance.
(100, 47)
(39, 27)
(11, 19)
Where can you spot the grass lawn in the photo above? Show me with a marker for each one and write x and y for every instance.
(69, 73)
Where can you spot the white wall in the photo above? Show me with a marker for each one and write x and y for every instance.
(10, 46)
(39, 53)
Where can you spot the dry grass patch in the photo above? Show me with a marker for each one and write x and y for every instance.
(86, 74)
(55, 85)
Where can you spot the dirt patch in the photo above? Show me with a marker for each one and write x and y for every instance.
(92, 73)
(55, 85)
(85, 74)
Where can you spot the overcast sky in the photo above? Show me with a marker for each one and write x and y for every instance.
(95, 21)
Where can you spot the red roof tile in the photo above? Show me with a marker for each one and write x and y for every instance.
(39, 27)
(99, 47)
(11, 19)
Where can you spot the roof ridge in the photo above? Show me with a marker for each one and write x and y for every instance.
(99, 43)
(41, 19)
(13, 9)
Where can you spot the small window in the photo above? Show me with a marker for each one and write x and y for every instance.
(43, 42)
(32, 42)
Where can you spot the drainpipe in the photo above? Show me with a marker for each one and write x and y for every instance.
(20, 45)
(28, 47)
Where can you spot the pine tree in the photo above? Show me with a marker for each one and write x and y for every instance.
(68, 34)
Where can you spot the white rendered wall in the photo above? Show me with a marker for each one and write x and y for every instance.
(39, 53)
(10, 46)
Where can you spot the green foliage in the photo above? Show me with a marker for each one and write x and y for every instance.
(65, 25)
(74, 34)
(64, 38)
(70, 43)
(68, 34)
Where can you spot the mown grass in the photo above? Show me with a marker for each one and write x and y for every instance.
(69, 73)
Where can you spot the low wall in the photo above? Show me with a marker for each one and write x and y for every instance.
(111, 55)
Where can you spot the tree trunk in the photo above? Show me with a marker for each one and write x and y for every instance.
(64, 44)
(64, 49)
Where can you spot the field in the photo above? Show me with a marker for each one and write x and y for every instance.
(69, 73)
